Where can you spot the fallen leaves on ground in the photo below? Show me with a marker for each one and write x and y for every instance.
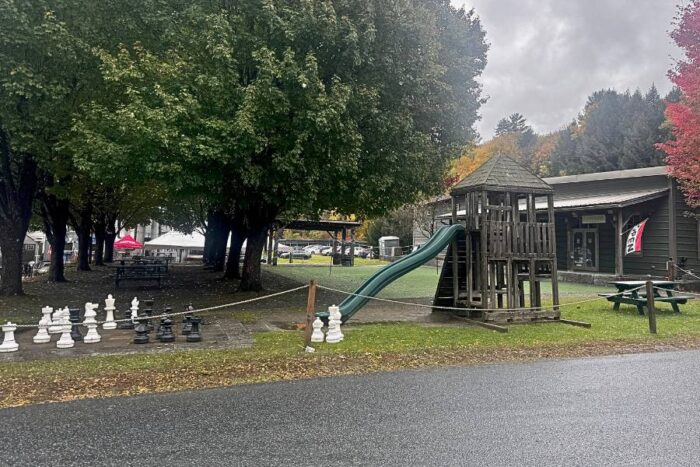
(37, 388)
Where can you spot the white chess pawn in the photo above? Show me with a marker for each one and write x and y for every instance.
(47, 311)
(55, 326)
(134, 310)
(109, 309)
(333, 335)
(335, 310)
(65, 341)
(42, 336)
(92, 337)
(9, 344)
(317, 335)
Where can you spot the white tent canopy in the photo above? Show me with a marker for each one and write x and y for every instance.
(176, 240)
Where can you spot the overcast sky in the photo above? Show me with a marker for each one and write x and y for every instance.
(547, 56)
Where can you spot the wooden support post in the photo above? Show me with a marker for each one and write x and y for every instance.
(310, 312)
(651, 307)
(483, 253)
(553, 250)
(277, 247)
(455, 259)
(344, 234)
(270, 244)
(352, 247)
(620, 250)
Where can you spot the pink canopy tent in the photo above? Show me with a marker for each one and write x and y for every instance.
(127, 242)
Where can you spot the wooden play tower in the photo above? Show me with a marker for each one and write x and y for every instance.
(497, 266)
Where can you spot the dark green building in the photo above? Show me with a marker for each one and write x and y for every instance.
(593, 215)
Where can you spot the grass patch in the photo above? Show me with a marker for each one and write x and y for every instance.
(366, 348)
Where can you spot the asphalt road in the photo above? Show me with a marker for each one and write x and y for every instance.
(624, 410)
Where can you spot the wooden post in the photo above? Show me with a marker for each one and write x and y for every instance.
(651, 307)
(620, 250)
(352, 247)
(455, 258)
(310, 312)
(553, 246)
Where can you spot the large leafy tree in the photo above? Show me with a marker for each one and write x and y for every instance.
(683, 149)
(291, 108)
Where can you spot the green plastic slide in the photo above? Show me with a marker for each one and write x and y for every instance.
(388, 274)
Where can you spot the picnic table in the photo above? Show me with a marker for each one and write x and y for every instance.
(140, 272)
(634, 293)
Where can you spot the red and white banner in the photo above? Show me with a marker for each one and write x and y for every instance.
(634, 239)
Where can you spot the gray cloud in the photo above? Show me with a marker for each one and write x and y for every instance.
(548, 56)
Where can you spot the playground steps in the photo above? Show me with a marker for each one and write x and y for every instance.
(444, 295)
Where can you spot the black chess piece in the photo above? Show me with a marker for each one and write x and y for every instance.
(187, 325)
(141, 329)
(74, 318)
(148, 303)
(149, 318)
(166, 330)
(127, 324)
(159, 332)
(194, 335)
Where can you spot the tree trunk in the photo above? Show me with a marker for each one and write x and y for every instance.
(216, 240)
(18, 180)
(110, 237)
(55, 213)
(11, 246)
(233, 265)
(252, 279)
(100, 234)
(83, 228)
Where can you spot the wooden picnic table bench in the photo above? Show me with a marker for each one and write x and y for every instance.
(140, 272)
(633, 293)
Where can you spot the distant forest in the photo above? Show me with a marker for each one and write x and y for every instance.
(614, 131)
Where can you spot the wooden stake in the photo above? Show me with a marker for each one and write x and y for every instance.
(310, 312)
(651, 307)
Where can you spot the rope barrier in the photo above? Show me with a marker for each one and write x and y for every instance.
(200, 310)
(685, 272)
(421, 305)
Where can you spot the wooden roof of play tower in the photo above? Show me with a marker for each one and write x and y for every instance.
(501, 173)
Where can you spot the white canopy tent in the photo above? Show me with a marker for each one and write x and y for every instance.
(183, 247)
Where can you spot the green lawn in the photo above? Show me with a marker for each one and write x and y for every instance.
(420, 283)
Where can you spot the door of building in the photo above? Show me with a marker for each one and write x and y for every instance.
(584, 251)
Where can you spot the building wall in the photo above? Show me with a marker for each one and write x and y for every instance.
(655, 251)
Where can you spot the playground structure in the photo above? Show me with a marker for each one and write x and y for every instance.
(499, 250)
(507, 247)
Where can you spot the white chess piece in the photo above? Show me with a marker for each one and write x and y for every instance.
(42, 336)
(47, 311)
(92, 337)
(335, 310)
(9, 344)
(55, 326)
(109, 309)
(333, 336)
(134, 310)
(65, 341)
(317, 335)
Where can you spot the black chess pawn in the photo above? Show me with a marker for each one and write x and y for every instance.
(127, 323)
(187, 325)
(74, 318)
(159, 332)
(141, 329)
(166, 330)
(194, 334)
(148, 303)
(149, 318)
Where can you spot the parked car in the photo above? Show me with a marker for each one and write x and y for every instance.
(327, 251)
(314, 249)
(296, 254)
